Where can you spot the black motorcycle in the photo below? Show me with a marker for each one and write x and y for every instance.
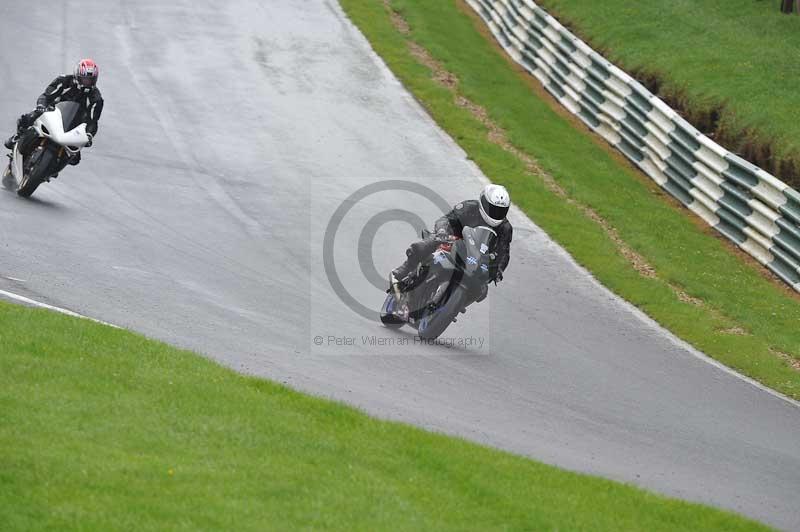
(457, 275)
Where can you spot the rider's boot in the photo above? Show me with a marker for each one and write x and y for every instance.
(401, 277)
(397, 279)
(395, 286)
(9, 144)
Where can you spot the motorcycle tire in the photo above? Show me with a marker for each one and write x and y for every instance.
(434, 323)
(36, 176)
(8, 179)
(387, 315)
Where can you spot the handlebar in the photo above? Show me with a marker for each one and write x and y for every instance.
(447, 239)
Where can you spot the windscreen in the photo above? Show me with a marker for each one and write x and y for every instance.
(479, 248)
(72, 114)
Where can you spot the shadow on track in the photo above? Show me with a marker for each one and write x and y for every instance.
(437, 347)
(44, 203)
(10, 186)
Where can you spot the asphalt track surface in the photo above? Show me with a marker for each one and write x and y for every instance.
(232, 133)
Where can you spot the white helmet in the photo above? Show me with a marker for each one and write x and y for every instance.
(494, 204)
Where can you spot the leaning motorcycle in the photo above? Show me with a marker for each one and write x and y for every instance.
(59, 133)
(457, 275)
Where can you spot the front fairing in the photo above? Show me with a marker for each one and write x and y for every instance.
(476, 252)
(72, 115)
(64, 126)
(468, 263)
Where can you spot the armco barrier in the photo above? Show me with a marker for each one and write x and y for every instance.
(752, 208)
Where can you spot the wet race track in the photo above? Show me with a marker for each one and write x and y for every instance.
(232, 134)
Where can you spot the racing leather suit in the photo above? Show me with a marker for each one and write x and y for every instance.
(62, 89)
(465, 214)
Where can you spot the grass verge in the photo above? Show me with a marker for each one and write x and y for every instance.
(729, 65)
(103, 430)
(612, 219)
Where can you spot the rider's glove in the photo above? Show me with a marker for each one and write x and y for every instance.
(445, 237)
(91, 138)
(498, 276)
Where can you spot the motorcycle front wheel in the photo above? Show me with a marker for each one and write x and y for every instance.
(35, 176)
(433, 323)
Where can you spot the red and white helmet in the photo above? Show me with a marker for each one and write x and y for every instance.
(86, 74)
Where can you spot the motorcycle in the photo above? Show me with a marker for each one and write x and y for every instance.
(60, 132)
(457, 275)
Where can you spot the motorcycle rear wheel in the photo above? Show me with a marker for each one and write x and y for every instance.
(8, 179)
(387, 313)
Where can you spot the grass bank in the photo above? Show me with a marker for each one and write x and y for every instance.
(730, 66)
(612, 219)
(105, 430)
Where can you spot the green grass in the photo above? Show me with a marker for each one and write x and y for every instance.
(735, 293)
(737, 56)
(103, 429)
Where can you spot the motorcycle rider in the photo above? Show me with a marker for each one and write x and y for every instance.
(489, 209)
(79, 87)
